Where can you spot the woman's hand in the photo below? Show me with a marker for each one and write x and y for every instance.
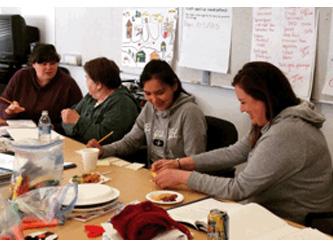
(164, 164)
(185, 163)
(14, 108)
(69, 116)
(168, 178)
(94, 144)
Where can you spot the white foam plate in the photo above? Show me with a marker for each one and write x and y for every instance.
(92, 194)
(95, 208)
(152, 197)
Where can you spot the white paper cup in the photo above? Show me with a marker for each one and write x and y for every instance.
(89, 159)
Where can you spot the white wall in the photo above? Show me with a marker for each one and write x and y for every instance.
(213, 101)
(41, 17)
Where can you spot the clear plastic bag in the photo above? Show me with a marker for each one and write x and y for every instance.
(9, 221)
(36, 165)
(46, 204)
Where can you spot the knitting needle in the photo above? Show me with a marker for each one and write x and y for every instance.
(5, 100)
(105, 137)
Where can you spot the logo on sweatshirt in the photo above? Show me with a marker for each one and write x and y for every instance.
(158, 142)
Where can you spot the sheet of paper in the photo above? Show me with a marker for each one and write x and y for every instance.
(287, 38)
(28, 133)
(306, 234)
(119, 163)
(135, 166)
(21, 124)
(6, 161)
(198, 211)
(252, 221)
(246, 222)
(103, 162)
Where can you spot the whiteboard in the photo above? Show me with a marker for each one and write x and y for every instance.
(93, 32)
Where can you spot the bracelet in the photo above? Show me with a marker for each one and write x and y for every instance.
(178, 162)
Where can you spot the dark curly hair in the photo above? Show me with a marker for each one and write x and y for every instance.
(42, 53)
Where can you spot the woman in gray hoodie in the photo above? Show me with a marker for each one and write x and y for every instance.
(289, 168)
(170, 124)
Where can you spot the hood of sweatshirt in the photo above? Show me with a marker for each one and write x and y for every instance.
(181, 100)
(305, 111)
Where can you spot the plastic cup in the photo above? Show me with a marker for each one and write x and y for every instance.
(89, 159)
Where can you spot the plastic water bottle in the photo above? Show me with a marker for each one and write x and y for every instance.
(44, 127)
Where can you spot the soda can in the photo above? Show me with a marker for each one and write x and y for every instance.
(218, 225)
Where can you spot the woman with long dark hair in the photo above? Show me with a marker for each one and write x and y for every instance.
(171, 125)
(289, 168)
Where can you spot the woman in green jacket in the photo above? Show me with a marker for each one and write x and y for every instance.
(107, 107)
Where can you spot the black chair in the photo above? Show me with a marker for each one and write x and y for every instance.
(65, 70)
(323, 221)
(139, 156)
(220, 133)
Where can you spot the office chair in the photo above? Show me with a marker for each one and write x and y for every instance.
(220, 133)
(323, 221)
(139, 156)
(65, 70)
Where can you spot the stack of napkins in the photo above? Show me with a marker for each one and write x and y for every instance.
(119, 163)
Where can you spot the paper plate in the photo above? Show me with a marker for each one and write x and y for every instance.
(92, 194)
(156, 197)
(102, 179)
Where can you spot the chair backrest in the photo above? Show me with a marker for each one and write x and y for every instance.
(220, 133)
(322, 221)
(65, 70)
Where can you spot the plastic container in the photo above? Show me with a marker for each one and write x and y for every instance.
(36, 164)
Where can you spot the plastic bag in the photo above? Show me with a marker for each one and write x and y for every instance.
(36, 165)
(9, 221)
(45, 204)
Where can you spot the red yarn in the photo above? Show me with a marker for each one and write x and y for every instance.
(144, 221)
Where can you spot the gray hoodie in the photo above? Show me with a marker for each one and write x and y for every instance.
(177, 132)
(289, 171)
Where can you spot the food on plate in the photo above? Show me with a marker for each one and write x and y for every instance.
(166, 197)
(87, 178)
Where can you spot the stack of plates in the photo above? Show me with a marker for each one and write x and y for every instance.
(92, 197)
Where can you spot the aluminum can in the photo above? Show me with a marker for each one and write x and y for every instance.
(218, 225)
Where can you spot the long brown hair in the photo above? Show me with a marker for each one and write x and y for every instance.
(265, 82)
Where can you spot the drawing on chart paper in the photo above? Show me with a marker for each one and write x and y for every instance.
(147, 34)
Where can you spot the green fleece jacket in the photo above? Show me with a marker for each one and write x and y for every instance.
(117, 113)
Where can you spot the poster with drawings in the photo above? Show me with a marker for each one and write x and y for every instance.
(286, 37)
(147, 33)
